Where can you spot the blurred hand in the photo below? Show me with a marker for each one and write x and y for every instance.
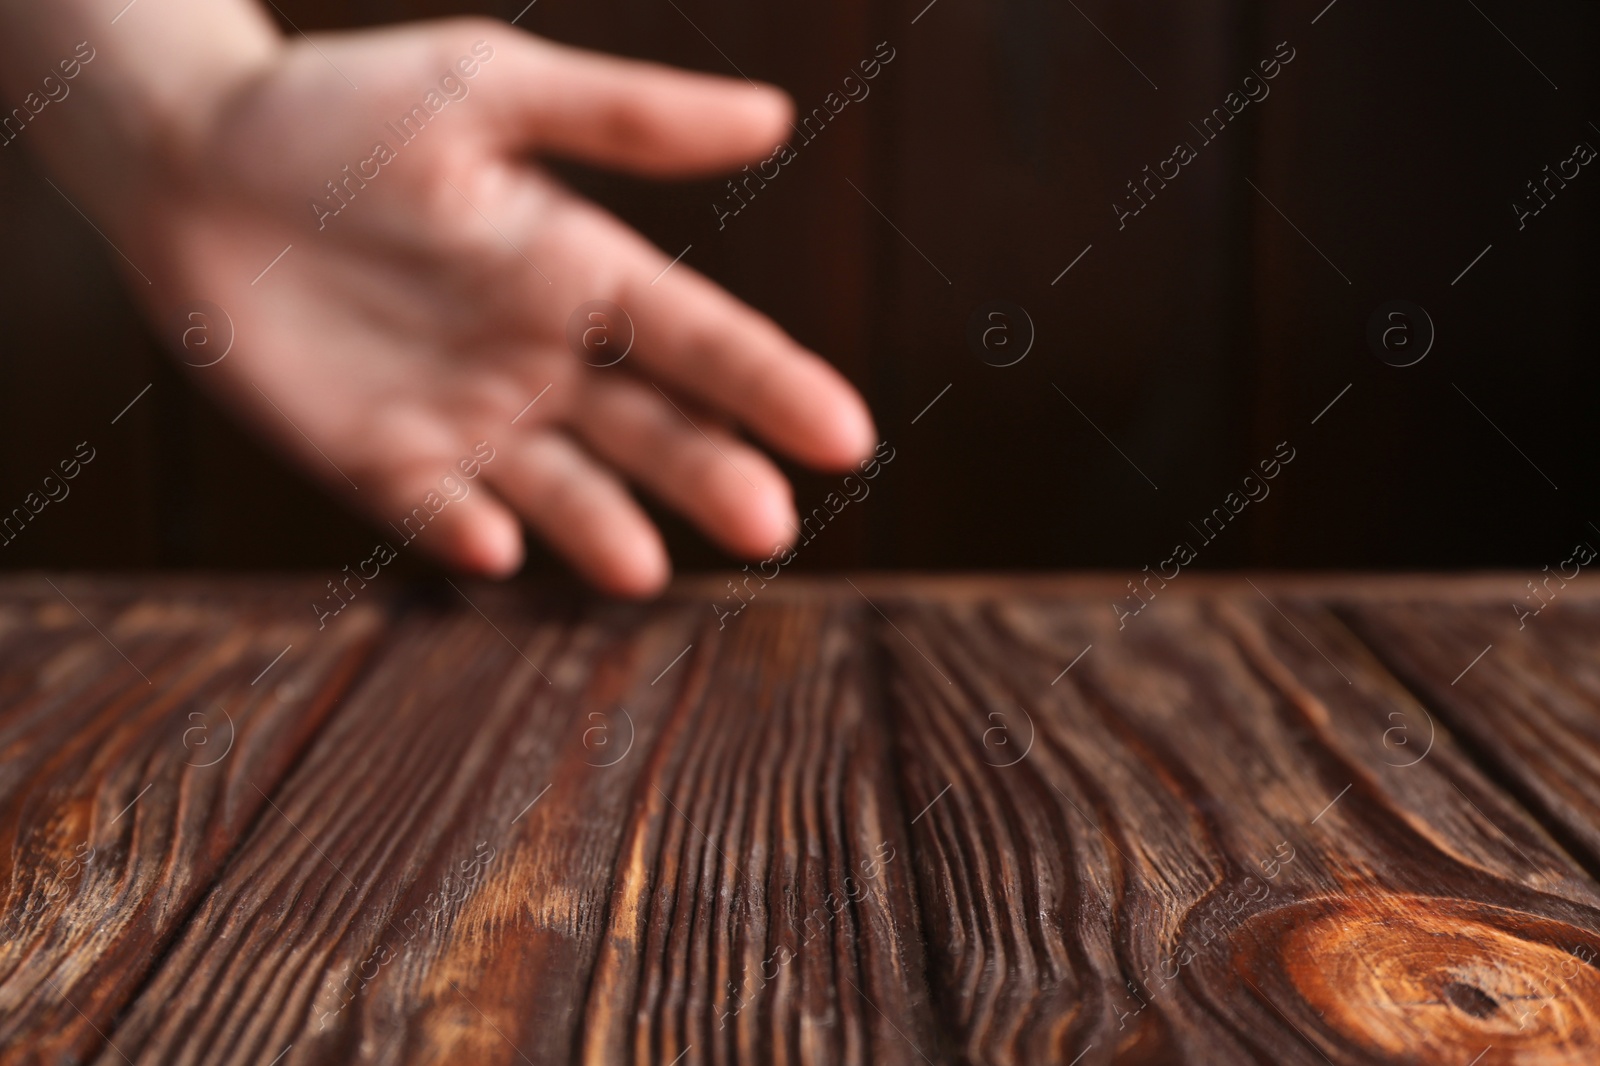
(432, 306)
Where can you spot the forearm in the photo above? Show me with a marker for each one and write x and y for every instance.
(112, 105)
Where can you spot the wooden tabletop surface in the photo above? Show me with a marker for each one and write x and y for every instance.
(1280, 820)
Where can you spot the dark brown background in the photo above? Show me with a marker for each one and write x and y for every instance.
(1197, 338)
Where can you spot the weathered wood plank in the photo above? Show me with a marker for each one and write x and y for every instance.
(415, 890)
(713, 861)
(1518, 683)
(140, 738)
(1212, 849)
(541, 828)
(762, 910)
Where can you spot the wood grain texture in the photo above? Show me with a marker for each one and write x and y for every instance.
(417, 890)
(1519, 683)
(888, 820)
(141, 736)
(1127, 891)
(762, 909)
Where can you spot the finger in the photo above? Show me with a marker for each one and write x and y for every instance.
(732, 492)
(583, 512)
(703, 342)
(451, 518)
(637, 116)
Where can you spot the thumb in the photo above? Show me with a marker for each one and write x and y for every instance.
(642, 117)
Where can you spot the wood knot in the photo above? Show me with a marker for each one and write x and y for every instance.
(1475, 1001)
(1412, 975)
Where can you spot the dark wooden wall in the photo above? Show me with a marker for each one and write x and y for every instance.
(1172, 357)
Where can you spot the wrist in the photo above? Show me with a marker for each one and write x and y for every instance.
(147, 93)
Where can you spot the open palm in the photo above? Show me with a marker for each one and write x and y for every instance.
(428, 295)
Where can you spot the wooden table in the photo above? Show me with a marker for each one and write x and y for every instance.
(894, 819)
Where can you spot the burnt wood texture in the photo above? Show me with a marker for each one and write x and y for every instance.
(986, 820)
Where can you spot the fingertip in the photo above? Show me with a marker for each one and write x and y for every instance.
(754, 526)
(755, 120)
(640, 116)
(490, 545)
(783, 519)
(779, 521)
(623, 556)
(843, 431)
(639, 574)
(772, 108)
(858, 434)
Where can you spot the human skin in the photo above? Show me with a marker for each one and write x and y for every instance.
(426, 314)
